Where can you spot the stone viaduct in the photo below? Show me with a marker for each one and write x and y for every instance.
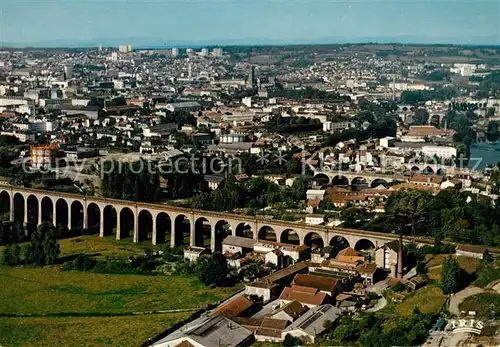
(350, 178)
(157, 221)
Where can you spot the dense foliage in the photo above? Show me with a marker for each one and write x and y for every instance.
(256, 193)
(136, 181)
(446, 215)
(450, 276)
(379, 129)
(368, 330)
(213, 270)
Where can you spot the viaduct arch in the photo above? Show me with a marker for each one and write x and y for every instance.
(167, 224)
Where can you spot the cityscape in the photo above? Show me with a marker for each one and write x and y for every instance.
(275, 194)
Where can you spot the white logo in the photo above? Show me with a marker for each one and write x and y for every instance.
(467, 326)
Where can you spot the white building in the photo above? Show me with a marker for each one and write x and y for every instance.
(445, 152)
(315, 219)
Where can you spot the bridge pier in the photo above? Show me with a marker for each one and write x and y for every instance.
(85, 217)
(11, 214)
(101, 223)
(69, 216)
(39, 212)
(154, 236)
(118, 225)
(212, 237)
(25, 212)
(136, 228)
(172, 232)
(192, 232)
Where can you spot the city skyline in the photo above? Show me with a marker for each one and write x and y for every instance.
(196, 23)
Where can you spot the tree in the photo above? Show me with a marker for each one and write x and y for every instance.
(213, 269)
(300, 187)
(450, 276)
(290, 341)
(44, 248)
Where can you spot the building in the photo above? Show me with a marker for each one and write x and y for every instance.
(312, 323)
(386, 257)
(175, 52)
(208, 332)
(251, 81)
(236, 244)
(214, 181)
(349, 255)
(234, 307)
(217, 52)
(337, 126)
(68, 72)
(290, 312)
(43, 156)
(315, 194)
(204, 52)
(323, 284)
(125, 48)
(442, 152)
(188, 106)
(193, 253)
(315, 219)
(310, 297)
(470, 251)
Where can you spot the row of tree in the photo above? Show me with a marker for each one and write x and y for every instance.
(449, 215)
(256, 193)
(41, 250)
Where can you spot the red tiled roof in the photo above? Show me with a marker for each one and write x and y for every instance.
(234, 307)
(317, 282)
(304, 295)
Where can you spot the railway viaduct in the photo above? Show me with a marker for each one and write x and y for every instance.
(164, 223)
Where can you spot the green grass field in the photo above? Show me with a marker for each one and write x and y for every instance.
(107, 246)
(83, 298)
(48, 290)
(429, 299)
(84, 331)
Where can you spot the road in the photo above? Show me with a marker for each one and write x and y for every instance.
(378, 288)
(456, 299)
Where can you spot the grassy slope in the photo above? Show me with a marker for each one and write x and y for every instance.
(84, 331)
(38, 291)
(48, 290)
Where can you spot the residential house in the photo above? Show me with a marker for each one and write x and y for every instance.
(470, 251)
(312, 323)
(310, 297)
(290, 312)
(386, 257)
(315, 194)
(315, 219)
(193, 253)
(323, 284)
(236, 244)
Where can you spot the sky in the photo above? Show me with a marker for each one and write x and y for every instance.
(169, 22)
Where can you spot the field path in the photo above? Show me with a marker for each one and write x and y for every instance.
(456, 299)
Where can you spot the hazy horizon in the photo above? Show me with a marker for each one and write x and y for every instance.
(84, 23)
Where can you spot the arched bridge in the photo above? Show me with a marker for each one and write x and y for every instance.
(347, 178)
(168, 224)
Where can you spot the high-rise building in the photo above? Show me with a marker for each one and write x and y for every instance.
(204, 52)
(68, 72)
(125, 48)
(251, 76)
(217, 52)
(189, 51)
(175, 52)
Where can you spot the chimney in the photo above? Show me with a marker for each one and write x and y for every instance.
(400, 257)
